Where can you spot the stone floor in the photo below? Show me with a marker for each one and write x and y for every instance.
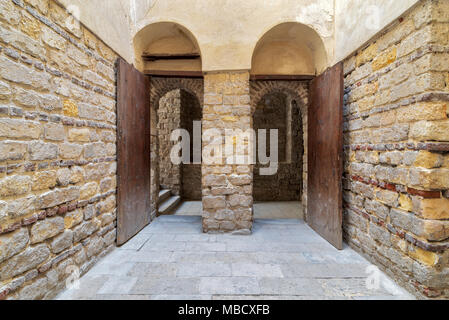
(282, 259)
(262, 210)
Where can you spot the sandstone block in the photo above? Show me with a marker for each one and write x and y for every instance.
(85, 229)
(12, 243)
(5, 90)
(211, 202)
(12, 128)
(95, 150)
(42, 151)
(239, 180)
(27, 260)
(70, 108)
(15, 185)
(73, 218)
(70, 150)
(44, 180)
(215, 180)
(94, 247)
(77, 175)
(79, 135)
(63, 176)
(54, 132)
(59, 196)
(88, 190)
(21, 207)
(429, 178)
(430, 130)
(18, 73)
(12, 150)
(53, 39)
(436, 209)
(62, 242)
(34, 291)
(46, 229)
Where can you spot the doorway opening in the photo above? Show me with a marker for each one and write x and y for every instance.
(177, 109)
(281, 105)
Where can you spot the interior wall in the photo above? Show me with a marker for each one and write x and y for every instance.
(228, 31)
(356, 22)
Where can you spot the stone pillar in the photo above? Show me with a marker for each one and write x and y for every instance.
(227, 188)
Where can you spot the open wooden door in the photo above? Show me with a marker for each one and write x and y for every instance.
(325, 151)
(133, 151)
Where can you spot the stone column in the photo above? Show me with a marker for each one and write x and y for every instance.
(227, 188)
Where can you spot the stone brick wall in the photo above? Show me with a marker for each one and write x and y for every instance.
(290, 183)
(169, 119)
(396, 135)
(57, 148)
(227, 188)
(278, 110)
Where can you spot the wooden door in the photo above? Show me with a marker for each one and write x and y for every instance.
(325, 152)
(133, 151)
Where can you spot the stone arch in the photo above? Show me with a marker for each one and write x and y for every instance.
(166, 37)
(295, 90)
(160, 86)
(289, 48)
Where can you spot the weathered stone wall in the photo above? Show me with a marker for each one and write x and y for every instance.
(290, 182)
(396, 135)
(169, 119)
(278, 111)
(227, 188)
(191, 110)
(57, 148)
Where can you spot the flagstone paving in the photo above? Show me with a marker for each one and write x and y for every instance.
(283, 259)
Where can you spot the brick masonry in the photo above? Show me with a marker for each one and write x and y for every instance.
(57, 148)
(227, 188)
(396, 205)
(271, 101)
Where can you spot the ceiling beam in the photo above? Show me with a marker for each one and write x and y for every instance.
(170, 56)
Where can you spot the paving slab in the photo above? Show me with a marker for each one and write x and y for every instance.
(172, 259)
